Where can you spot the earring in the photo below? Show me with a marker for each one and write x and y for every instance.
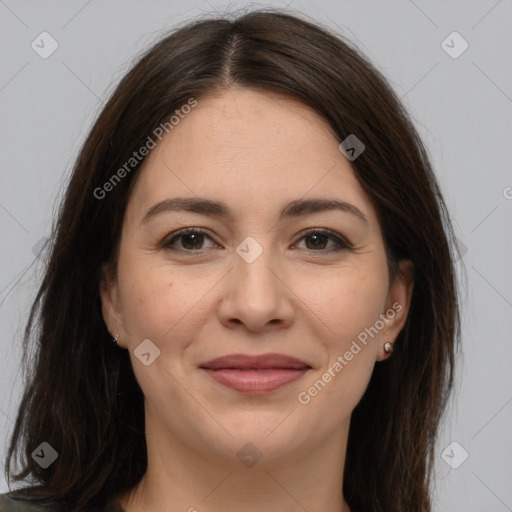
(388, 348)
(114, 340)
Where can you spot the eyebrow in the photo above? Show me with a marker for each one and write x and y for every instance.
(297, 208)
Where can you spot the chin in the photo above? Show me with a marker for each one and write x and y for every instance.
(270, 439)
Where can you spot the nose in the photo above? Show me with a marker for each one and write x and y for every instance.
(257, 294)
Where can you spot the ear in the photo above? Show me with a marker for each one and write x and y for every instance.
(110, 304)
(397, 305)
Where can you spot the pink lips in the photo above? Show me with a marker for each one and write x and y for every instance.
(255, 375)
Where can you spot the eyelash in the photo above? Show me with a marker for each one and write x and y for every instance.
(343, 244)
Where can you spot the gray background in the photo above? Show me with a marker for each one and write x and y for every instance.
(463, 110)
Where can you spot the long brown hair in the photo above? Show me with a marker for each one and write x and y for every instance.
(81, 395)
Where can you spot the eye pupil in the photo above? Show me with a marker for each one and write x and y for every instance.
(317, 238)
(196, 239)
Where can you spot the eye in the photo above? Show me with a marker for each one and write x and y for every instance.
(191, 240)
(319, 239)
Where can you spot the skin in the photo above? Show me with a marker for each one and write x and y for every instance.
(255, 151)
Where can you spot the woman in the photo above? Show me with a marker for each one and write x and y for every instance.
(254, 221)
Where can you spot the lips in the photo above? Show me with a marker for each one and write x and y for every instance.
(248, 362)
(255, 375)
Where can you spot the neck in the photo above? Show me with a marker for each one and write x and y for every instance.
(185, 478)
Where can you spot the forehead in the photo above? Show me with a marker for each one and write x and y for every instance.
(251, 149)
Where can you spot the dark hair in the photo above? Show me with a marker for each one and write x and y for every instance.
(81, 395)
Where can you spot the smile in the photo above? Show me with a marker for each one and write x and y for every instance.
(255, 374)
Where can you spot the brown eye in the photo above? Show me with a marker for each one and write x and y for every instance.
(317, 241)
(192, 240)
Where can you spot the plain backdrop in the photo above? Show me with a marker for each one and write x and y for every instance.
(461, 102)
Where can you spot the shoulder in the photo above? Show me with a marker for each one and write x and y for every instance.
(11, 502)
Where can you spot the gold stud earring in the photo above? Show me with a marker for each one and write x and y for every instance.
(388, 348)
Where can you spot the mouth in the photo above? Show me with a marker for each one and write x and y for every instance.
(255, 375)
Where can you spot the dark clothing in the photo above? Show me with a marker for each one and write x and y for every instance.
(11, 503)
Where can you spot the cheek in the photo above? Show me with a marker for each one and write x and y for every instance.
(149, 297)
(338, 386)
(349, 306)
(161, 303)
(349, 302)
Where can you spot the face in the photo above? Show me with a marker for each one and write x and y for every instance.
(272, 271)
